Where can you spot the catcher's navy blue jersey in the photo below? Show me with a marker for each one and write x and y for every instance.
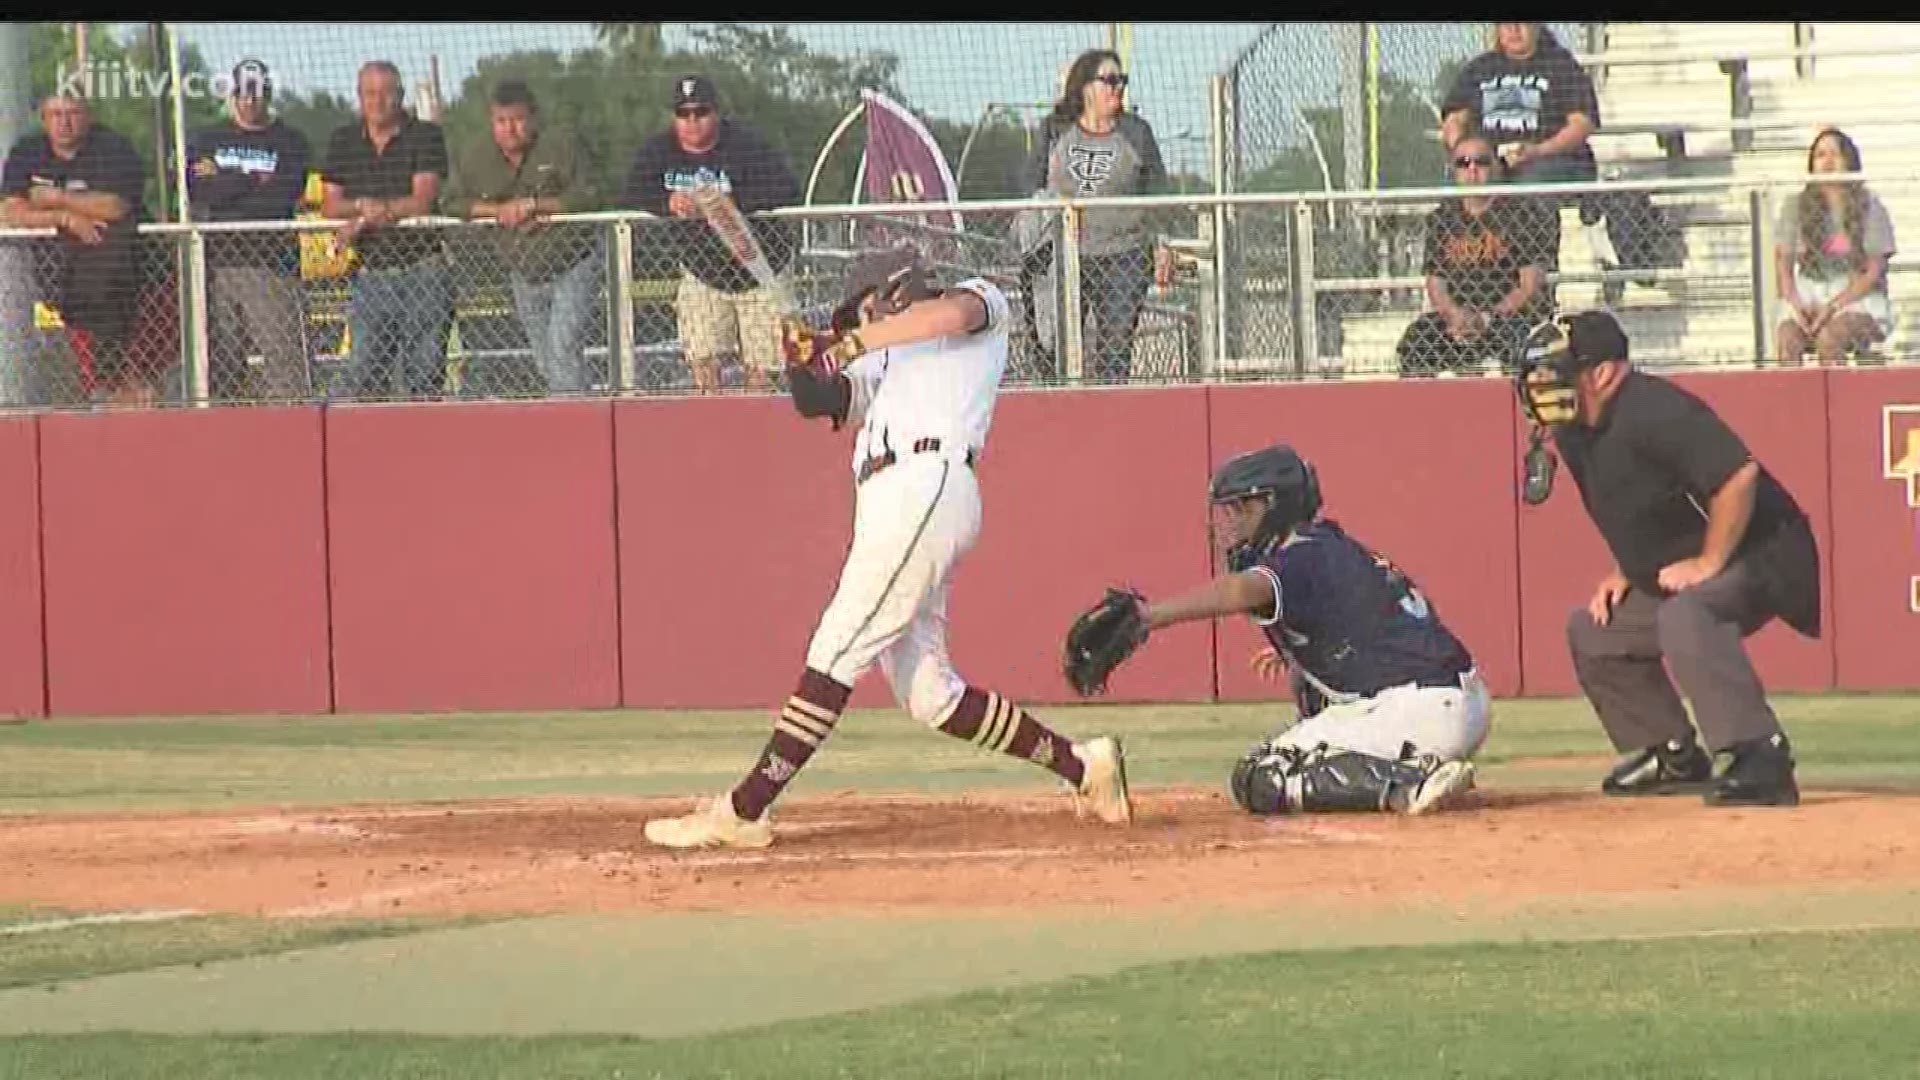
(1351, 623)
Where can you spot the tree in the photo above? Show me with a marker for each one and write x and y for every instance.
(633, 38)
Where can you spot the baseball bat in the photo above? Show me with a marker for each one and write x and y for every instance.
(725, 219)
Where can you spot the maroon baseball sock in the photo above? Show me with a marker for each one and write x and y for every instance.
(986, 719)
(804, 723)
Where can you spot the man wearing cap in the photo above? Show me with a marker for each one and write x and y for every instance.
(253, 167)
(521, 177)
(721, 308)
(1707, 547)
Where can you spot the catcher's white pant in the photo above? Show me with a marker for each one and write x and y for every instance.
(912, 521)
(1446, 721)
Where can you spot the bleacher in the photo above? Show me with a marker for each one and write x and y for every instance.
(1737, 100)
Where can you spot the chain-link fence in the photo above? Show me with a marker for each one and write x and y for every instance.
(1441, 281)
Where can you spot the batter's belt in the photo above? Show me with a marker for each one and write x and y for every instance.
(880, 461)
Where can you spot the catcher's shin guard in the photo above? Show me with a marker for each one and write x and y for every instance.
(1281, 780)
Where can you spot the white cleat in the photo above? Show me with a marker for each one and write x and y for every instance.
(1103, 785)
(711, 824)
(1448, 780)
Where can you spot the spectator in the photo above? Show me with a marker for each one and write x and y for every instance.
(1090, 147)
(1486, 268)
(252, 168)
(1533, 98)
(1830, 261)
(721, 309)
(520, 178)
(88, 182)
(383, 168)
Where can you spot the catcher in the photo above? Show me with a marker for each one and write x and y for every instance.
(1391, 707)
(918, 367)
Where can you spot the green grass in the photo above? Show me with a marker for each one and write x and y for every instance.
(1786, 1005)
(49, 957)
(214, 763)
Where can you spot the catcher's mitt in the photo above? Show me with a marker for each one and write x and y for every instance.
(1102, 637)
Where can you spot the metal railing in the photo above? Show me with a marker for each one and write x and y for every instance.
(1311, 286)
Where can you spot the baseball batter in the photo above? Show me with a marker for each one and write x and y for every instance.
(1391, 706)
(919, 369)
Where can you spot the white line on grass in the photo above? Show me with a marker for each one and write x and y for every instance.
(111, 918)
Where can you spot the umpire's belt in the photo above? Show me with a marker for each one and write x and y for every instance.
(878, 462)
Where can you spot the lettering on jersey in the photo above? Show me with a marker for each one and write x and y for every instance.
(1510, 104)
(1089, 165)
(685, 180)
(1413, 601)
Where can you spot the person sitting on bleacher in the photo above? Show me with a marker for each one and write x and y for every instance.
(1486, 269)
(1830, 261)
(1533, 99)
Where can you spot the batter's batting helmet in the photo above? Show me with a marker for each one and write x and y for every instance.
(1281, 476)
(901, 275)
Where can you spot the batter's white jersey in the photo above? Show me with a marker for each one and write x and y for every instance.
(929, 405)
(942, 389)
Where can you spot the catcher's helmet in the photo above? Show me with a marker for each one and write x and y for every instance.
(1555, 352)
(899, 274)
(1287, 482)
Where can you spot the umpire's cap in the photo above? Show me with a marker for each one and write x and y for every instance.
(1570, 343)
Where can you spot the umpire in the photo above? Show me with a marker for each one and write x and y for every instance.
(1708, 548)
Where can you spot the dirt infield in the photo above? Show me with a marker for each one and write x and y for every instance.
(861, 852)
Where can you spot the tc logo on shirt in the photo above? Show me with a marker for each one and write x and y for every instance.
(1089, 165)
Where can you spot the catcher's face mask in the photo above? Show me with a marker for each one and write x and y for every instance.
(1234, 524)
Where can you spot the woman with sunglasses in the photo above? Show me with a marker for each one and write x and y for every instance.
(1091, 147)
(1486, 267)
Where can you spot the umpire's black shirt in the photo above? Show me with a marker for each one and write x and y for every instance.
(1648, 473)
(420, 146)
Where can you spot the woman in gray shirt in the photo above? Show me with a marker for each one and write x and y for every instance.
(1090, 147)
(1830, 264)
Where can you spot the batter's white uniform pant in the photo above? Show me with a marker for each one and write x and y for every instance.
(912, 521)
(1449, 722)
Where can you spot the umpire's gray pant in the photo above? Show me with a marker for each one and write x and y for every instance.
(1699, 633)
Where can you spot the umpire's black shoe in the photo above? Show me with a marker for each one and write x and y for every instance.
(1678, 767)
(1760, 774)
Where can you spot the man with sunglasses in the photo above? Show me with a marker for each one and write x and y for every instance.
(1486, 267)
(722, 310)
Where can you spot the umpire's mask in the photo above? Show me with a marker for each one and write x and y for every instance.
(1547, 382)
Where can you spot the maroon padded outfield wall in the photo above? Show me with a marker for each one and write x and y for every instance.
(473, 557)
(185, 557)
(676, 553)
(23, 656)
